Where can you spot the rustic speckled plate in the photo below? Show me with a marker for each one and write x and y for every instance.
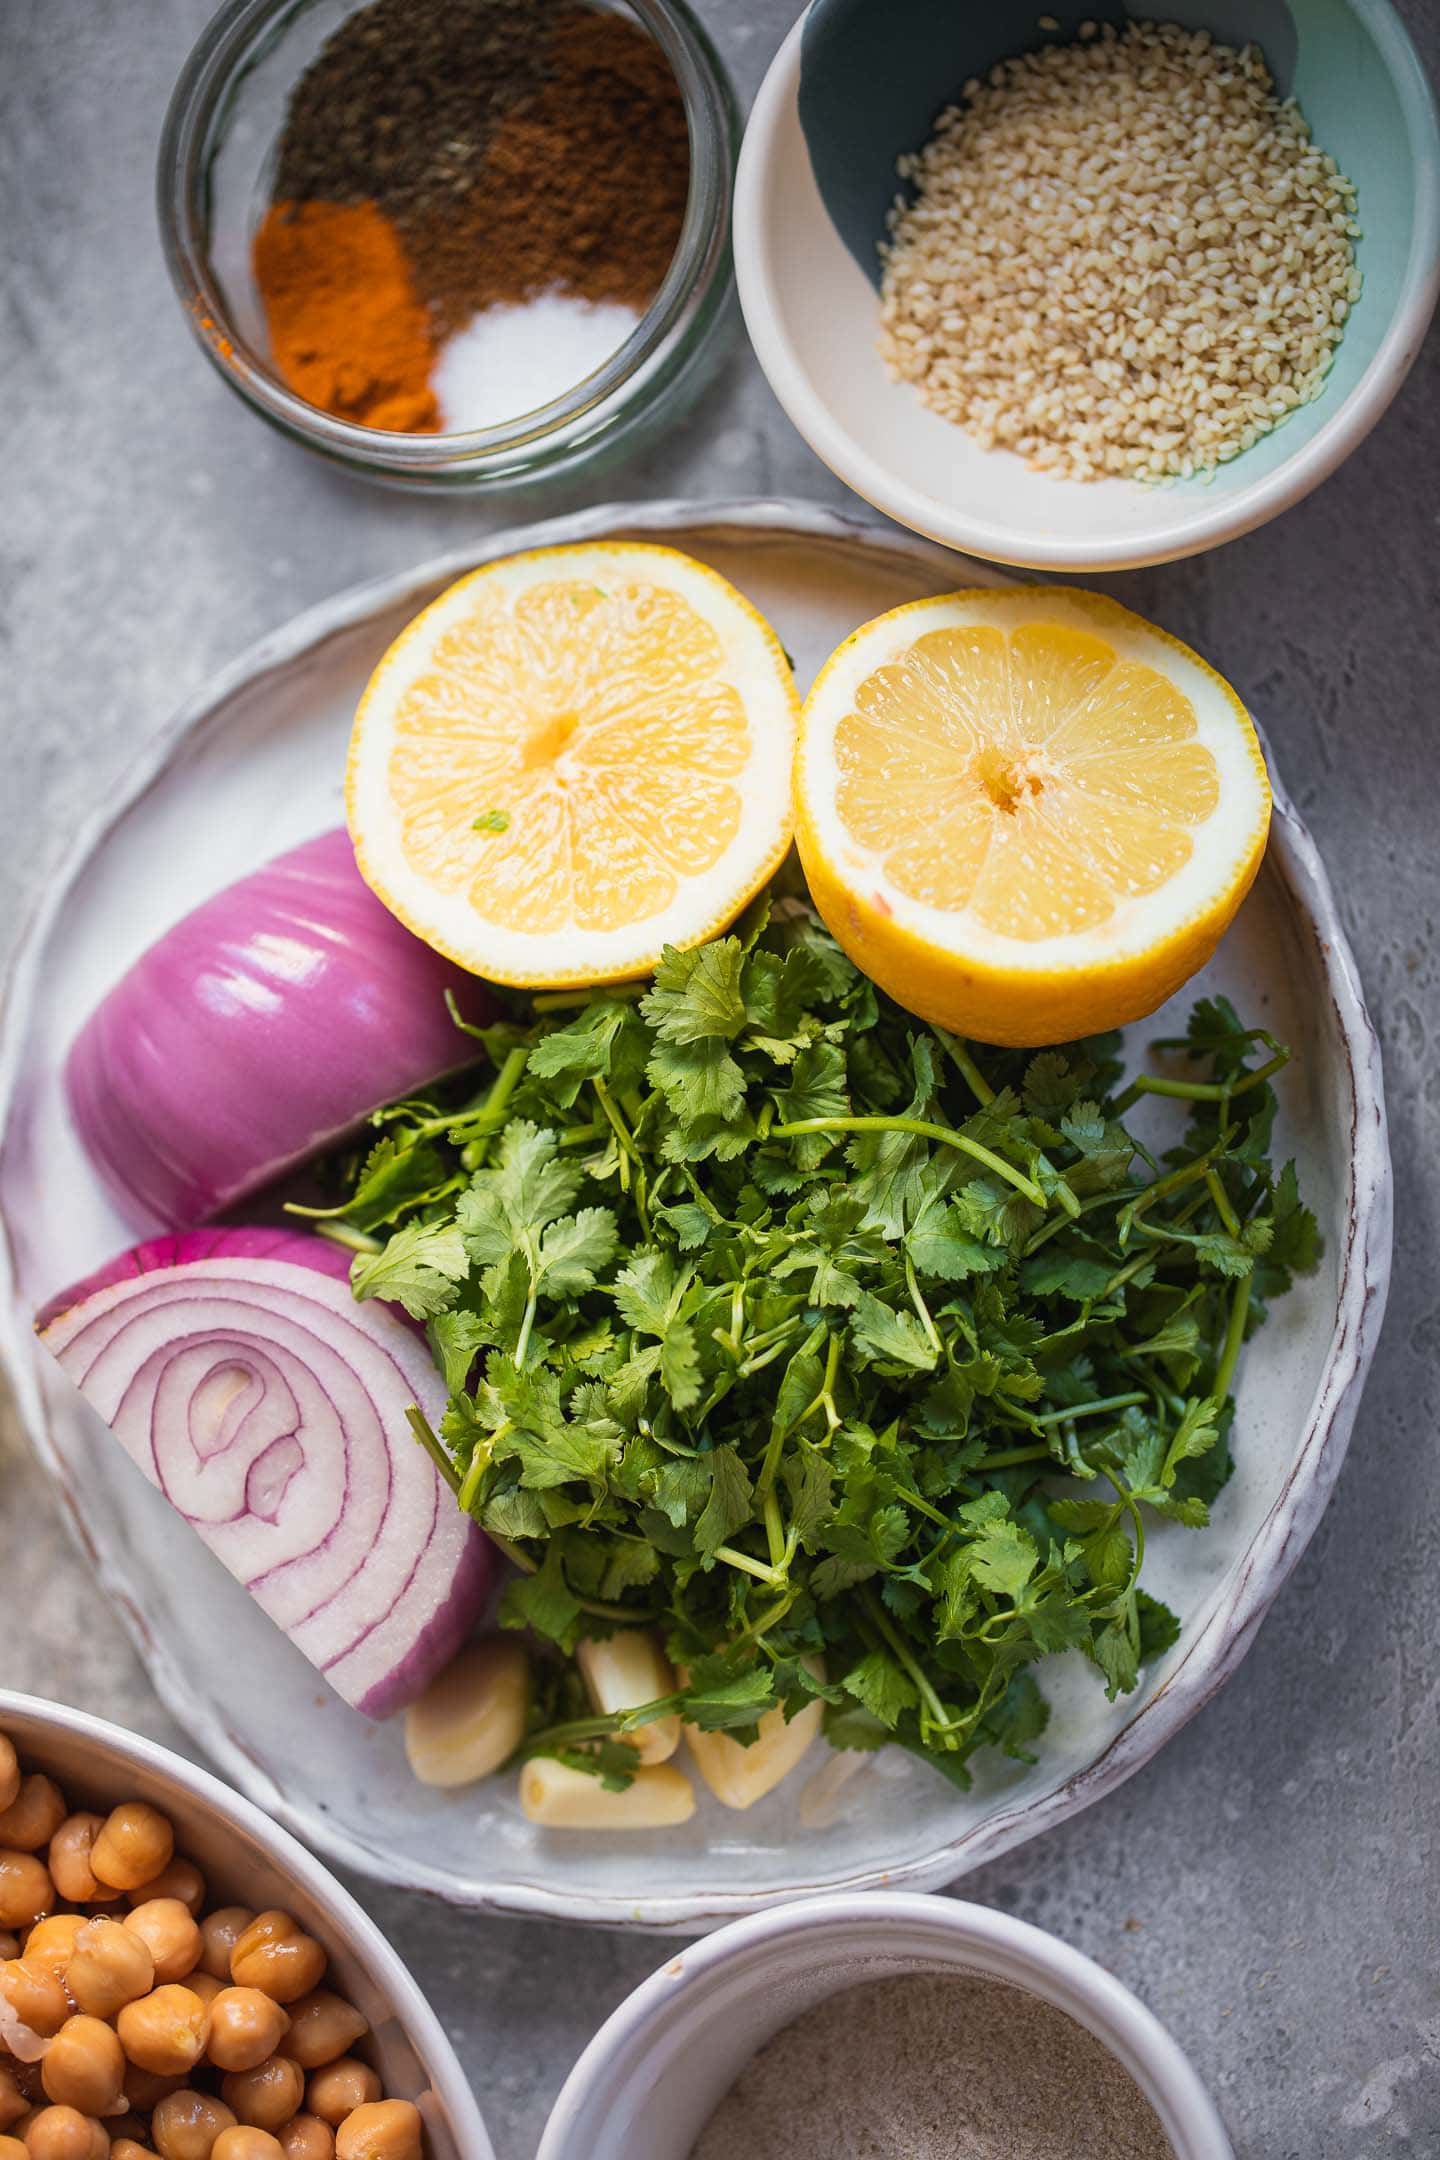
(253, 765)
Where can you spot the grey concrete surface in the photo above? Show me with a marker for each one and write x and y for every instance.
(1269, 1884)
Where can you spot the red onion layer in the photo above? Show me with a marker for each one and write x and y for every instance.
(270, 1410)
(262, 1028)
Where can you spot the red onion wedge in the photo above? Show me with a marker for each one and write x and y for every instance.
(270, 1409)
(259, 1030)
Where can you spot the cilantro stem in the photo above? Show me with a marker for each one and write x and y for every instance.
(1011, 1456)
(767, 1357)
(1221, 1091)
(473, 1154)
(479, 1463)
(933, 1714)
(774, 1532)
(513, 1554)
(522, 1343)
(341, 1233)
(548, 1001)
(922, 1310)
(629, 1152)
(429, 1439)
(974, 1079)
(1091, 1409)
(922, 1130)
(1222, 1203)
(747, 1566)
(1234, 1337)
(768, 1619)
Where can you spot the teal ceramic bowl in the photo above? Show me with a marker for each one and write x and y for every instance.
(817, 172)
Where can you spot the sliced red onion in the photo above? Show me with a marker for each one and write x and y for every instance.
(270, 1409)
(258, 1031)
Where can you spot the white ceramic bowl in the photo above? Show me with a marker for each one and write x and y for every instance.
(813, 319)
(246, 1860)
(656, 2070)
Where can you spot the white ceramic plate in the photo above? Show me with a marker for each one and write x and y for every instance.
(254, 765)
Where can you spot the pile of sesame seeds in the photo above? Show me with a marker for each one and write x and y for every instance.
(1122, 256)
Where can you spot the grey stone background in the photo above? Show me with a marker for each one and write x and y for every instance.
(1269, 1884)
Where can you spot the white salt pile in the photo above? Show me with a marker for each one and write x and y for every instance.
(508, 360)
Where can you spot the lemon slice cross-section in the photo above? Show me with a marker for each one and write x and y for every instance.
(1027, 813)
(573, 758)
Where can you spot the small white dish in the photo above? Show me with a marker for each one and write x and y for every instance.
(813, 318)
(658, 2068)
(268, 740)
(247, 1860)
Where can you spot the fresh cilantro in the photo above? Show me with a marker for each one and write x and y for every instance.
(780, 1322)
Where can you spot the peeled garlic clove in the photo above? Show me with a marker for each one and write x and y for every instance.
(738, 1775)
(472, 1719)
(626, 1669)
(561, 1798)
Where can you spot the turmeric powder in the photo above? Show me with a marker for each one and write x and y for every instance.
(348, 331)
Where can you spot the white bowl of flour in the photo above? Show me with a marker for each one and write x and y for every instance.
(883, 2027)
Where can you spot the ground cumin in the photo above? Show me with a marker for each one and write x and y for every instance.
(582, 188)
(348, 331)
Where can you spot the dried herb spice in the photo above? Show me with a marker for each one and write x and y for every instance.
(402, 101)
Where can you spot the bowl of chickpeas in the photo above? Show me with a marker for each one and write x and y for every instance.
(180, 1980)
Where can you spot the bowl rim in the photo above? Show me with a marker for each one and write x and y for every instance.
(28, 1717)
(1212, 1653)
(689, 298)
(1239, 512)
(1003, 1947)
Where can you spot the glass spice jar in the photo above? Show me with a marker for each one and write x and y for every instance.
(214, 179)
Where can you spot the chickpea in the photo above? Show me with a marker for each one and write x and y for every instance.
(322, 2026)
(276, 1956)
(304, 2137)
(62, 2133)
(205, 1985)
(68, 1858)
(109, 1966)
(169, 1933)
(219, 1932)
(268, 2096)
(127, 2125)
(13, 2103)
(340, 2088)
(50, 1944)
(135, 1843)
(84, 2067)
(126, 2148)
(34, 1815)
(182, 1879)
(245, 2142)
(36, 1997)
(9, 1945)
(380, 2130)
(26, 1890)
(246, 2027)
(144, 2090)
(11, 2148)
(186, 2125)
(165, 2032)
(9, 1771)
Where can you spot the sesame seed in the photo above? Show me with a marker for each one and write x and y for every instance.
(1122, 256)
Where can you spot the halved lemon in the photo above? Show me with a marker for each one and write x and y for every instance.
(1028, 814)
(573, 758)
